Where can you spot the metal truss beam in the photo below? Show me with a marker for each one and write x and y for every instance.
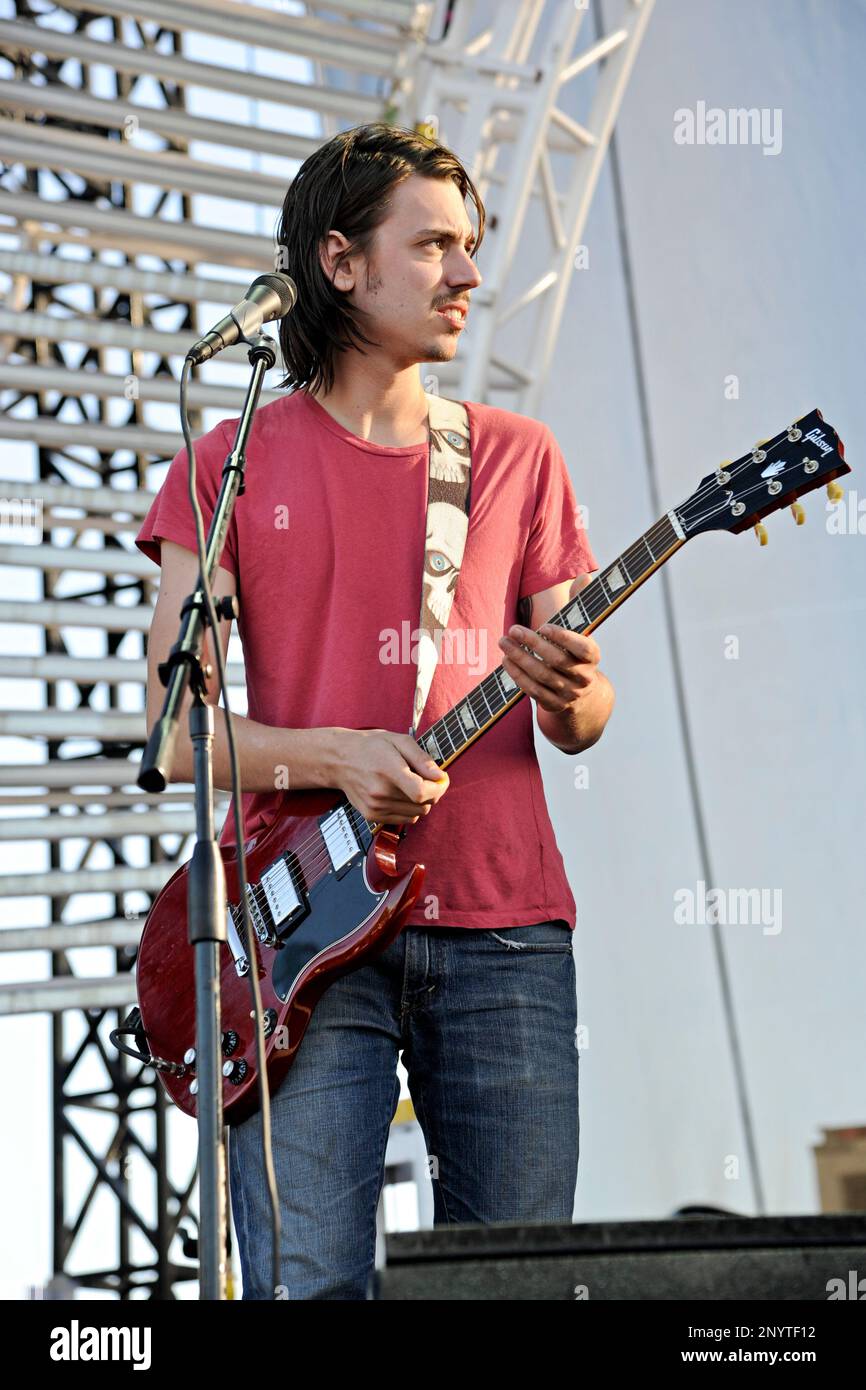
(90, 670)
(107, 385)
(73, 613)
(81, 223)
(175, 125)
(498, 95)
(173, 68)
(64, 883)
(63, 936)
(101, 160)
(348, 47)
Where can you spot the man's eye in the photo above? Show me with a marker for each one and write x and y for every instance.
(441, 240)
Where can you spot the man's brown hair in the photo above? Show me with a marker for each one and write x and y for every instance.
(346, 185)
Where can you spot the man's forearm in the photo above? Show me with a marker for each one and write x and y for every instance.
(582, 724)
(270, 758)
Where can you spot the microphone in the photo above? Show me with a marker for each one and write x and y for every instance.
(269, 297)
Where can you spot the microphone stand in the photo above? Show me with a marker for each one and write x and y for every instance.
(206, 918)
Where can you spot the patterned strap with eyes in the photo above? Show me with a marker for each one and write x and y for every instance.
(448, 498)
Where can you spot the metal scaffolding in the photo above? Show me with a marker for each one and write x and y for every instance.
(117, 128)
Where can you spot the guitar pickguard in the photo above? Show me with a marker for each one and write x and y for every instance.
(339, 903)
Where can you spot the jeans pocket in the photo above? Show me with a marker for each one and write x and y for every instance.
(536, 938)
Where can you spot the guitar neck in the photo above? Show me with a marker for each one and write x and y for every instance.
(497, 693)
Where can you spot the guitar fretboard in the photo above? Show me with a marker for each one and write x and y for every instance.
(497, 692)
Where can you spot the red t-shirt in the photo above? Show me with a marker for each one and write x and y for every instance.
(327, 544)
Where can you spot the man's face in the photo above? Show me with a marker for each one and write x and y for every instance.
(419, 262)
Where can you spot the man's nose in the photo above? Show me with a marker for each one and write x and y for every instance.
(464, 272)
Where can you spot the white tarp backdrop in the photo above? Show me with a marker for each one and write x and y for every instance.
(747, 265)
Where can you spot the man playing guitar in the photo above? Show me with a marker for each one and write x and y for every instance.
(325, 551)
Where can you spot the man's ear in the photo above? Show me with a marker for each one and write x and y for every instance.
(340, 272)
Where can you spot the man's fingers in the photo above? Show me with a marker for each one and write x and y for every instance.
(418, 760)
(539, 673)
(574, 645)
(557, 646)
(416, 775)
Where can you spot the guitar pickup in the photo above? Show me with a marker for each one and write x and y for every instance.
(341, 840)
(281, 891)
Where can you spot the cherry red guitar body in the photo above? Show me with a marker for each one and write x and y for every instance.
(325, 897)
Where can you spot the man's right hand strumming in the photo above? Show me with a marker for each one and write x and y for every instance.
(388, 777)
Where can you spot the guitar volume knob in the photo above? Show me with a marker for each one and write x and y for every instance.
(229, 1042)
(235, 1071)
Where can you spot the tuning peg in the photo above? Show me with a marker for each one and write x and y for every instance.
(798, 513)
(835, 492)
(761, 533)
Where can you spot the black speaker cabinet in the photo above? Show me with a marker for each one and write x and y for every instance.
(727, 1257)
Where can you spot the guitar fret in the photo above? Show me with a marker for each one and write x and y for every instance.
(667, 535)
(480, 710)
(466, 715)
(590, 594)
(638, 562)
(444, 733)
(442, 737)
(505, 684)
(459, 732)
(578, 604)
(456, 731)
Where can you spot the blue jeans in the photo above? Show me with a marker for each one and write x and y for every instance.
(486, 1021)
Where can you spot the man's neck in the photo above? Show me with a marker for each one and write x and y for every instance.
(394, 416)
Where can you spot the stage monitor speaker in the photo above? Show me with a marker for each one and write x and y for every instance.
(731, 1257)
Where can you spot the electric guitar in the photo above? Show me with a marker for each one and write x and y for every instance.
(324, 895)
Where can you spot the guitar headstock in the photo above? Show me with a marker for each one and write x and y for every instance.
(773, 475)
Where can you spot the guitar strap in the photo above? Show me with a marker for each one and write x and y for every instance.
(448, 498)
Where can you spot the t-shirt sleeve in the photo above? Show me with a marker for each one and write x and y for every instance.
(557, 547)
(170, 517)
